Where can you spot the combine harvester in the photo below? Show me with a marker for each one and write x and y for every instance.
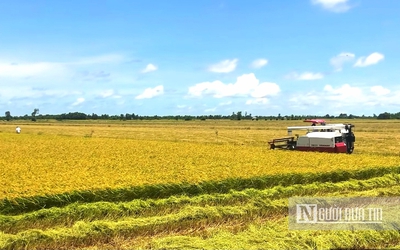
(334, 138)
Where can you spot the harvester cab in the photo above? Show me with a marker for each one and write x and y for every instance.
(335, 138)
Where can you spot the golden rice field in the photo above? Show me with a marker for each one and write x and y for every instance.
(50, 158)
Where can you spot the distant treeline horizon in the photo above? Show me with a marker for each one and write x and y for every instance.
(234, 116)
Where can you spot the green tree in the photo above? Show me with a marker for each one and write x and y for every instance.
(8, 115)
(34, 113)
(385, 115)
(95, 116)
(239, 115)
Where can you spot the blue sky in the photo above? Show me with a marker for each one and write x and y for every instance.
(200, 57)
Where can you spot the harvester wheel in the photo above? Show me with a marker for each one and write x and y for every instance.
(272, 146)
(349, 151)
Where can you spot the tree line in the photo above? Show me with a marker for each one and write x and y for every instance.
(234, 116)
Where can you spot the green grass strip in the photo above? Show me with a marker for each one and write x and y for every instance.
(190, 217)
(275, 235)
(82, 233)
(23, 205)
(68, 215)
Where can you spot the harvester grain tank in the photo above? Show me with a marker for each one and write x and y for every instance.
(320, 137)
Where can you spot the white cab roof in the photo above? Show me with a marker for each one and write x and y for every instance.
(322, 134)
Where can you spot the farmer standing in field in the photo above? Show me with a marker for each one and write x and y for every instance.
(18, 129)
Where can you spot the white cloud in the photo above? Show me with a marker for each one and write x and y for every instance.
(345, 93)
(265, 89)
(149, 68)
(345, 98)
(333, 5)
(151, 92)
(102, 59)
(328, 99)
(225, 66)
(338, 61)
(225, 103)
(305, 76)
(245, 85)
(210, 110)
(27, 69)
(304, 100)
(379, 90)
(21, 69)
(107, 93)
(259, 63)
(78, 101)
(25, 92)
(374, 58)
(257, 101)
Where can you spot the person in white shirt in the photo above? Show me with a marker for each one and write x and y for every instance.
(18, 129)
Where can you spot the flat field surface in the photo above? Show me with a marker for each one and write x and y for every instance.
(110, 164)
(65, 156)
